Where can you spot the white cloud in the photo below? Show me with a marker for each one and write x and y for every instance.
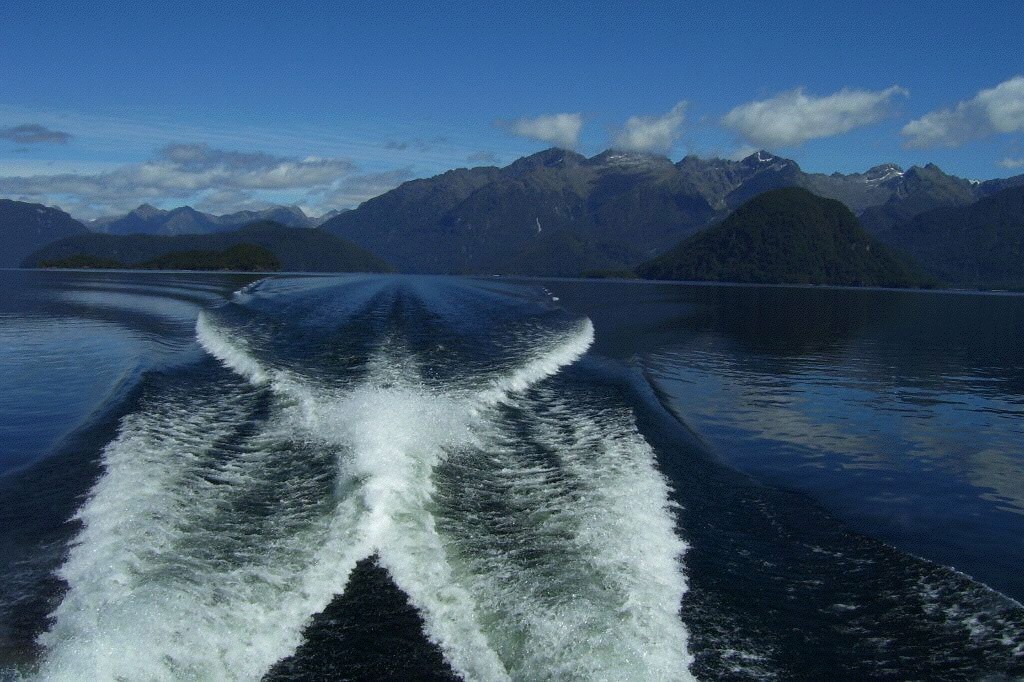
(990, 112)
(229, 201)
(33, 133)
(652, 134)
(792, 118)
(179, 172)
(1010, 162)
(741, 152)
(355, 189)
(561, 130)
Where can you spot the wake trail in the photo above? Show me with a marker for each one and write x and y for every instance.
(231, 518)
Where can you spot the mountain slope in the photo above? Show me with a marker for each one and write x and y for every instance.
(922, 189)
(979, 244)
(559, 213)
(297, 249)
(603, 212)
(785, 236)
(147, 219)
(26, 227)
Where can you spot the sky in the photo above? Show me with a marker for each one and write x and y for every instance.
(233, 105)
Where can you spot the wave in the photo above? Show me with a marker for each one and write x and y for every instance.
(226, 520)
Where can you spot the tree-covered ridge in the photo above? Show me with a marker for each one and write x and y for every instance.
(293, 249)
(786, 236)
(238, 258)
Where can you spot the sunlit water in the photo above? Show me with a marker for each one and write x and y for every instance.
(428, 478)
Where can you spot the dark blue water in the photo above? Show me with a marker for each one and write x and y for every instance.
(432, 478)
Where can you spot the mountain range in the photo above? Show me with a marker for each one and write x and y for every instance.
(560, 213)
(148, 219)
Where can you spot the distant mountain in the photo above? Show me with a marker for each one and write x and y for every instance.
(559, 213)
(920, 189)
(786, 235)
(147, 219)
(289, 216)
(296, 249)
(978, 244)
(327, 216)
(880, 196)
(25, 227)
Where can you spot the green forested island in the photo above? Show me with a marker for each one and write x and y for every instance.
(259, 246)
(787, 236)
(240, 258)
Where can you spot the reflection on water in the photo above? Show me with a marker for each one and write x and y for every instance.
(72, 342)
(902, 410)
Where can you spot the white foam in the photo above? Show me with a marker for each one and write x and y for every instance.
(544, 364)
(599, 597)
(146, 601)
(232, 354)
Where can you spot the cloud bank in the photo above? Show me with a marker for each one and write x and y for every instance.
(355, 189)
(33, 133)
(183, 172)
(792, 118)
(990, 112)
(651, 134)
(561, 130)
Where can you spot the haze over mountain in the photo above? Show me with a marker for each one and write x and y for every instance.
(147, 219)
(786, 236)
(979, 244)
(25, 227)
(296, 249)
(559, 213)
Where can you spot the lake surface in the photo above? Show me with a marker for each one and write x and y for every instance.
(396, 477)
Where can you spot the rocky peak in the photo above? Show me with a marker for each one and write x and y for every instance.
(626, 160)
(148, 211)
(549, 158)
(883, 172)
(763, 160)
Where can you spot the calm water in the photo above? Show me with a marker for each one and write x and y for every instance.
(431, 478)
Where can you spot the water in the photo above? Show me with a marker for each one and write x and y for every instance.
(433, 478)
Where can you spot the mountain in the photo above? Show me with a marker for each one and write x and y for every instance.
(559, 213)
(147, 219)
(920, 189)
(979, 244)
(289, 216)
(881, 196)
(25, 227)
(297, 249)
(786, 235)
(553, 213)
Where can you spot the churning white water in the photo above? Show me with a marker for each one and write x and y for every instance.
(529, 527)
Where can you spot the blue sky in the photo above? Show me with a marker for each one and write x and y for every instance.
(228, 105)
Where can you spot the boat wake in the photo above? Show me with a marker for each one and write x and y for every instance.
(425, 423)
